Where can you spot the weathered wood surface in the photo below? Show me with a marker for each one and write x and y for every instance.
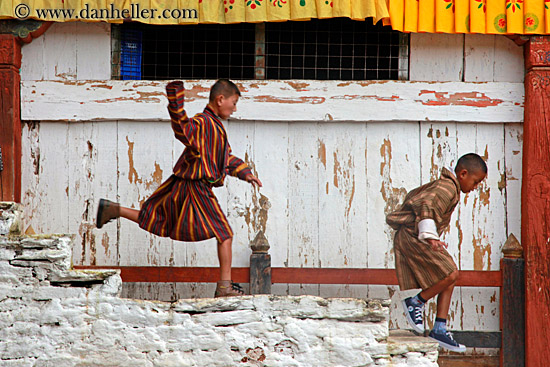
(166, 274)
(465, 57)
(70, 100)
(10, 122)
(322, 205)
(513, 312)
(319, 207)
(69, 51)
(535, 212)
(260, 273)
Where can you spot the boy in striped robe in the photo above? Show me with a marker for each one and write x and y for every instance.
(184, 207)
(421, 258)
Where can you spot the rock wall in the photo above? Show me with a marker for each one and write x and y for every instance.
(51, 315)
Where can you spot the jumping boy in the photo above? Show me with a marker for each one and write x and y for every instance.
(184, 207)
(421, 258)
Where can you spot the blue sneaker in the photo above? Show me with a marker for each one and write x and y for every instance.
(446, 341)
(414, 314)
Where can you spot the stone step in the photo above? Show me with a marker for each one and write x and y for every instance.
(408, 349)
(10, 218)
(49, 257)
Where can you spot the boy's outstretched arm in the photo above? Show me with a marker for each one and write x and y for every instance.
(185, 129)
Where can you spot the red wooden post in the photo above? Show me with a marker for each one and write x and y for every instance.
(535, 211)
(10, 119)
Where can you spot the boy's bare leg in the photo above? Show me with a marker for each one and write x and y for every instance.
(225, 258)
(128, 213)
(225, 287)
(441, 286)
(444, 302)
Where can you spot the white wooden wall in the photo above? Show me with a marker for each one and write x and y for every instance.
(333, 157)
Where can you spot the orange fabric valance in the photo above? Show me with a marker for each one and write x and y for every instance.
(471, 16)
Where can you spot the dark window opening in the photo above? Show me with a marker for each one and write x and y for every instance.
(327, 49)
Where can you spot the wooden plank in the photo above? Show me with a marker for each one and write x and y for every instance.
(93, 63)
(392, 155)
(92, 175)
(60, 49)
(288, 275)
(142, 167)
(513, 315)
(342, 201)
(479, 339)
(45, 198)
(513, 141)
(467, 360)
(482, 224)
(281, 101)
(391, 170)
(32, 65)
(479, 57)
(509, 63)
(480, 309)
(303, 201)
(271, 158)
(436, 57)
(243, 208)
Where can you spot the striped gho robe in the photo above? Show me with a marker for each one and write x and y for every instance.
(424, 214)
(184, 207)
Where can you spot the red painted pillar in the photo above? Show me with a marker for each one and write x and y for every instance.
(535, 212)
(10, 118)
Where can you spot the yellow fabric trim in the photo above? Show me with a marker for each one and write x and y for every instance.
(471, 16)
(192, 11)
(434, 16)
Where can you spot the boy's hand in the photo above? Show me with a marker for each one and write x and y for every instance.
(253, 180)
(437, 245)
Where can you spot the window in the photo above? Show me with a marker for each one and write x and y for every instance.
(327, 49)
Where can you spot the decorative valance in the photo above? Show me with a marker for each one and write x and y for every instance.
(432, 16)
(192, 11)
(471, 16)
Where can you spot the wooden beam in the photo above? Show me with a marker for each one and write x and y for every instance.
(168, 274)
(479, 339)
(283, 101)
(535, 201)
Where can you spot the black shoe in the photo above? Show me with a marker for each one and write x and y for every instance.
(414, 314)
(446, 341)
(106, 212)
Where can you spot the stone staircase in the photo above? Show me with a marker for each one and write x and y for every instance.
(51, 314)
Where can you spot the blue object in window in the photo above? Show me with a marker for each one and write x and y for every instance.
(130, 55)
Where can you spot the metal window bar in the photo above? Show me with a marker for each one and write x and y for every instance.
(328, 49)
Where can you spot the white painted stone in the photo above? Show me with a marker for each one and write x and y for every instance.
(53, 321)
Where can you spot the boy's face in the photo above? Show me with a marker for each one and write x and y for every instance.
(226, 105)
(469, 181)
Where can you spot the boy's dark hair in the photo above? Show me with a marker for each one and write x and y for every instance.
(471, 162)
(225, 87)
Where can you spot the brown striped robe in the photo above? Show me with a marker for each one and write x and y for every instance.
(416, 264)
(184, 207)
